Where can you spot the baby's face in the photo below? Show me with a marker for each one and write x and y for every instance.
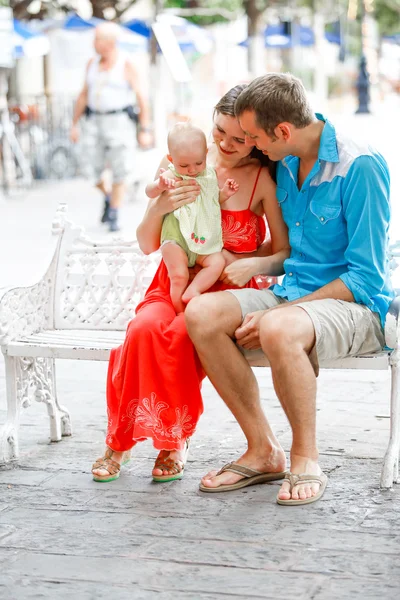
(189, 162)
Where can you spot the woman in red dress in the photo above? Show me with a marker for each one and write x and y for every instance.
(154, 378)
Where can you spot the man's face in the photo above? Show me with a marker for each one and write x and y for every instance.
(102, 45)
(275, 148)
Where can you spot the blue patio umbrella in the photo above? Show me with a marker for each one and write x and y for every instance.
(277, 36)
(190, 37)
(74, 21)
(28, 42)
(128, 40)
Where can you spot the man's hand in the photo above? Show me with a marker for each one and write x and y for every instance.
(145, 139)
(74, 134)
(240, 272)
(248, 334)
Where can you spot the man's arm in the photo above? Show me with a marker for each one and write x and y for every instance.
(79, 108)
(366, 192)
(145, 133)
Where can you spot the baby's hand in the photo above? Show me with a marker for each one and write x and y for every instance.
(230, 188)
(165, 183)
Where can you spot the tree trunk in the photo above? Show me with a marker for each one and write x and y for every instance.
(255, 52)
(98, 7)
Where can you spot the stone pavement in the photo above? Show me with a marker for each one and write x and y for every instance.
(62, 534)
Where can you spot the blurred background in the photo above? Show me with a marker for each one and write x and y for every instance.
(187, 54)
(347, 52)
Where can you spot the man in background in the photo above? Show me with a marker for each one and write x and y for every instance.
(110, 91)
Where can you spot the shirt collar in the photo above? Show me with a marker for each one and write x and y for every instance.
(327, 145)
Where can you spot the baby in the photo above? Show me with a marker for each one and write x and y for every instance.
(191, 234)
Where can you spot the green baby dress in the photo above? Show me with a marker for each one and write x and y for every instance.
(198, 223)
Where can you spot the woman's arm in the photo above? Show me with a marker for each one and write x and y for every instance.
(241, 271)
(149, 231)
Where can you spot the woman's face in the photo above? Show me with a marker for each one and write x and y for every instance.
(229, 137)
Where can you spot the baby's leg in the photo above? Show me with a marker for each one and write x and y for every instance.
(213, 265)
(176, 261)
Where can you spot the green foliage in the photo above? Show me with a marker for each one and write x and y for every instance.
(233, 6)
(387, 13)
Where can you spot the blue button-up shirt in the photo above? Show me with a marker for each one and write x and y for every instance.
(338, 222)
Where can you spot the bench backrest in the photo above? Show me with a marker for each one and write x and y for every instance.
(98, 284)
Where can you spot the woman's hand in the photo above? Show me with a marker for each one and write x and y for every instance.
(184, 192)
(239, 272)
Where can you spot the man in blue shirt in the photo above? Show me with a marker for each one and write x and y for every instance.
(333, 300)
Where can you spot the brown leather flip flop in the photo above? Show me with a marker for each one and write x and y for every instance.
(294, 479)
(250, 477)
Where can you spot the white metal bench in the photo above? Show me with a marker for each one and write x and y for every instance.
(80, 310)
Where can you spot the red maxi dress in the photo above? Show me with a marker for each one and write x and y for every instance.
(154, 378)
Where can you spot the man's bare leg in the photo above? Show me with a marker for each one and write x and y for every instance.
(287, 337)
(117, 194)
(102, 187)
(211, 321)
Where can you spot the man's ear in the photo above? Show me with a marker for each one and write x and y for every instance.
(283, 132)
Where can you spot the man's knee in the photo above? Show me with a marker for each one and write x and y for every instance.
(199, 314)
(210, 314)
(286, 329)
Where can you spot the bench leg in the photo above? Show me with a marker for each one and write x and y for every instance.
(28, 379)
(390, 470)
(9, 433)
(59, 415)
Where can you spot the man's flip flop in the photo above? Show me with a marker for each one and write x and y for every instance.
(302, 479)
(250, 477)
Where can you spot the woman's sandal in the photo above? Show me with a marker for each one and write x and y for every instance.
(111, 466)
(176, 467)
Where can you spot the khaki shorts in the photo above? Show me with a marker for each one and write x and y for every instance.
(341, 328)
(108, 143)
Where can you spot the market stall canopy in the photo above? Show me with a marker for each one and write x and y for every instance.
(190, 37)
(289, 35)
(28, 42)
(128, 40)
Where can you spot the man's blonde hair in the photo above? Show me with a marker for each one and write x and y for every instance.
(276, 98)
(108, 31)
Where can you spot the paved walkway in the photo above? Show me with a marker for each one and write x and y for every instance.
(61, 534)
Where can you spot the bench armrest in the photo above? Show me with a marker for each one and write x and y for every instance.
(392, 325)
(27, 310)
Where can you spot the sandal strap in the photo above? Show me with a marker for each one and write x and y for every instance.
(239, 470)
(303, 479)
(107, 464)
(168, 464)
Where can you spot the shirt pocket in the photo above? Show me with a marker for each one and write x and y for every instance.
(325, 212)
(327, 224)
(281, 196)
